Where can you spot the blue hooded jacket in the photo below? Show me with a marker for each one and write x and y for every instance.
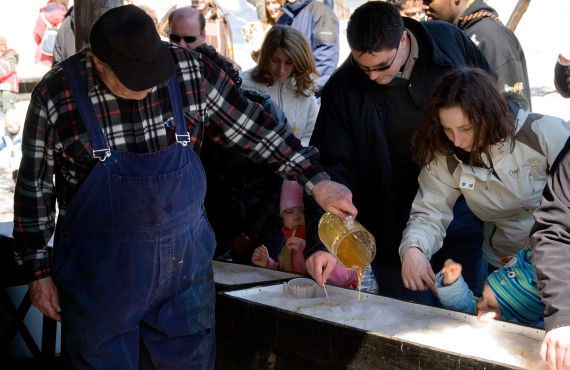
(320, 26)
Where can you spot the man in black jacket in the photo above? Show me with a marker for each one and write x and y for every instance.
(499, 44)
(370, 107)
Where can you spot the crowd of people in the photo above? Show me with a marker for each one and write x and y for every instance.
(425, 132)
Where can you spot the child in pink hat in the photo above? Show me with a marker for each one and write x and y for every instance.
(291, 257)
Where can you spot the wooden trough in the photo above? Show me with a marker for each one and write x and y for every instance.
(234, 276)
(262, 328)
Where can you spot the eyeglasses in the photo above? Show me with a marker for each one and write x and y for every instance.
(187, 39)
(375, 69)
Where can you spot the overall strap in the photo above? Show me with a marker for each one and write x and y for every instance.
(86, 109)
(182, 135)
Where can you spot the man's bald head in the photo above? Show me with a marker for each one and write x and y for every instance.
(187, 27)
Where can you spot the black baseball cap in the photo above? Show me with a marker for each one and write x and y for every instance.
(126, 39)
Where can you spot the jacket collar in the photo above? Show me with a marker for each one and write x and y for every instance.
(291, 10)
(429, 49)
(474, 13)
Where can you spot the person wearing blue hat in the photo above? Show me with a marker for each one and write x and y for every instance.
(510, 293)
(111, 140)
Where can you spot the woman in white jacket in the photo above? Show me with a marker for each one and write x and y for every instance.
(286, 71)
(474, 142)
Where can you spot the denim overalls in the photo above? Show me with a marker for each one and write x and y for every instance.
(133, 255)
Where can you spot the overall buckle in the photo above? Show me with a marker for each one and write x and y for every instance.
(102, 154)
(183, 139)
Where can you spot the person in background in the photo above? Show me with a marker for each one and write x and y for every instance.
(133, 247)
(187, 27)
(510, 293)
(410, 8)
(472, 142)
(64, 46)
(291, 256)
(370, 108)
(254, 32)
(562, 74)
(285, 72)
(12, 138)
(499, 44)
(9, 83)
(49, 20)
(218, 32)
(318, 23)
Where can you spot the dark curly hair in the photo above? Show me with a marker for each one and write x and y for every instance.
(475, 92)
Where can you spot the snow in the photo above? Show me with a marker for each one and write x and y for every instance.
(498, 341)
(235, 274)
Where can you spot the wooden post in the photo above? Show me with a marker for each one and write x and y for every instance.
(516, 15)
(86, 12)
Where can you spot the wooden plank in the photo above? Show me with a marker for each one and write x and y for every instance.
(516, 15)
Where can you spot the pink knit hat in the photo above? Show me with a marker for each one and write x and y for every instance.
(291, 196)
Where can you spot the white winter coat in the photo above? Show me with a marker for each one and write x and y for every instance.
(504, 195)
(301, 111)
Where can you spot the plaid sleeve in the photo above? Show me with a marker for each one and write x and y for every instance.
(34, 196)
(236, 122)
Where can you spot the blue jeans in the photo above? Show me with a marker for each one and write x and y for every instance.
(463, 244)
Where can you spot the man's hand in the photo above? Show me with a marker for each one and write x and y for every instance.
(334, 198)
(320, 265)
(416, 271)
(555, 348)
(43, 295)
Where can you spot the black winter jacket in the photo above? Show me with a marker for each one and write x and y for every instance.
(353, 135)
(498, 43)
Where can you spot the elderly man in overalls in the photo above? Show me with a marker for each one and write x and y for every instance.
(118, 127)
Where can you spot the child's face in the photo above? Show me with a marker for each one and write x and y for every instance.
(293, 217)
(488, 307)
(12, 126)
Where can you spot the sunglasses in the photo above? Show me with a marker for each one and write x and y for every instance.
(177, 38)
(375, 69)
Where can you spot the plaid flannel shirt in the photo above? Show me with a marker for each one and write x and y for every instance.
(56, 145)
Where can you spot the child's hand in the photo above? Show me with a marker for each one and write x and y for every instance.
(260, 256)
(293, 243)
(451, 271)
(486, 316)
